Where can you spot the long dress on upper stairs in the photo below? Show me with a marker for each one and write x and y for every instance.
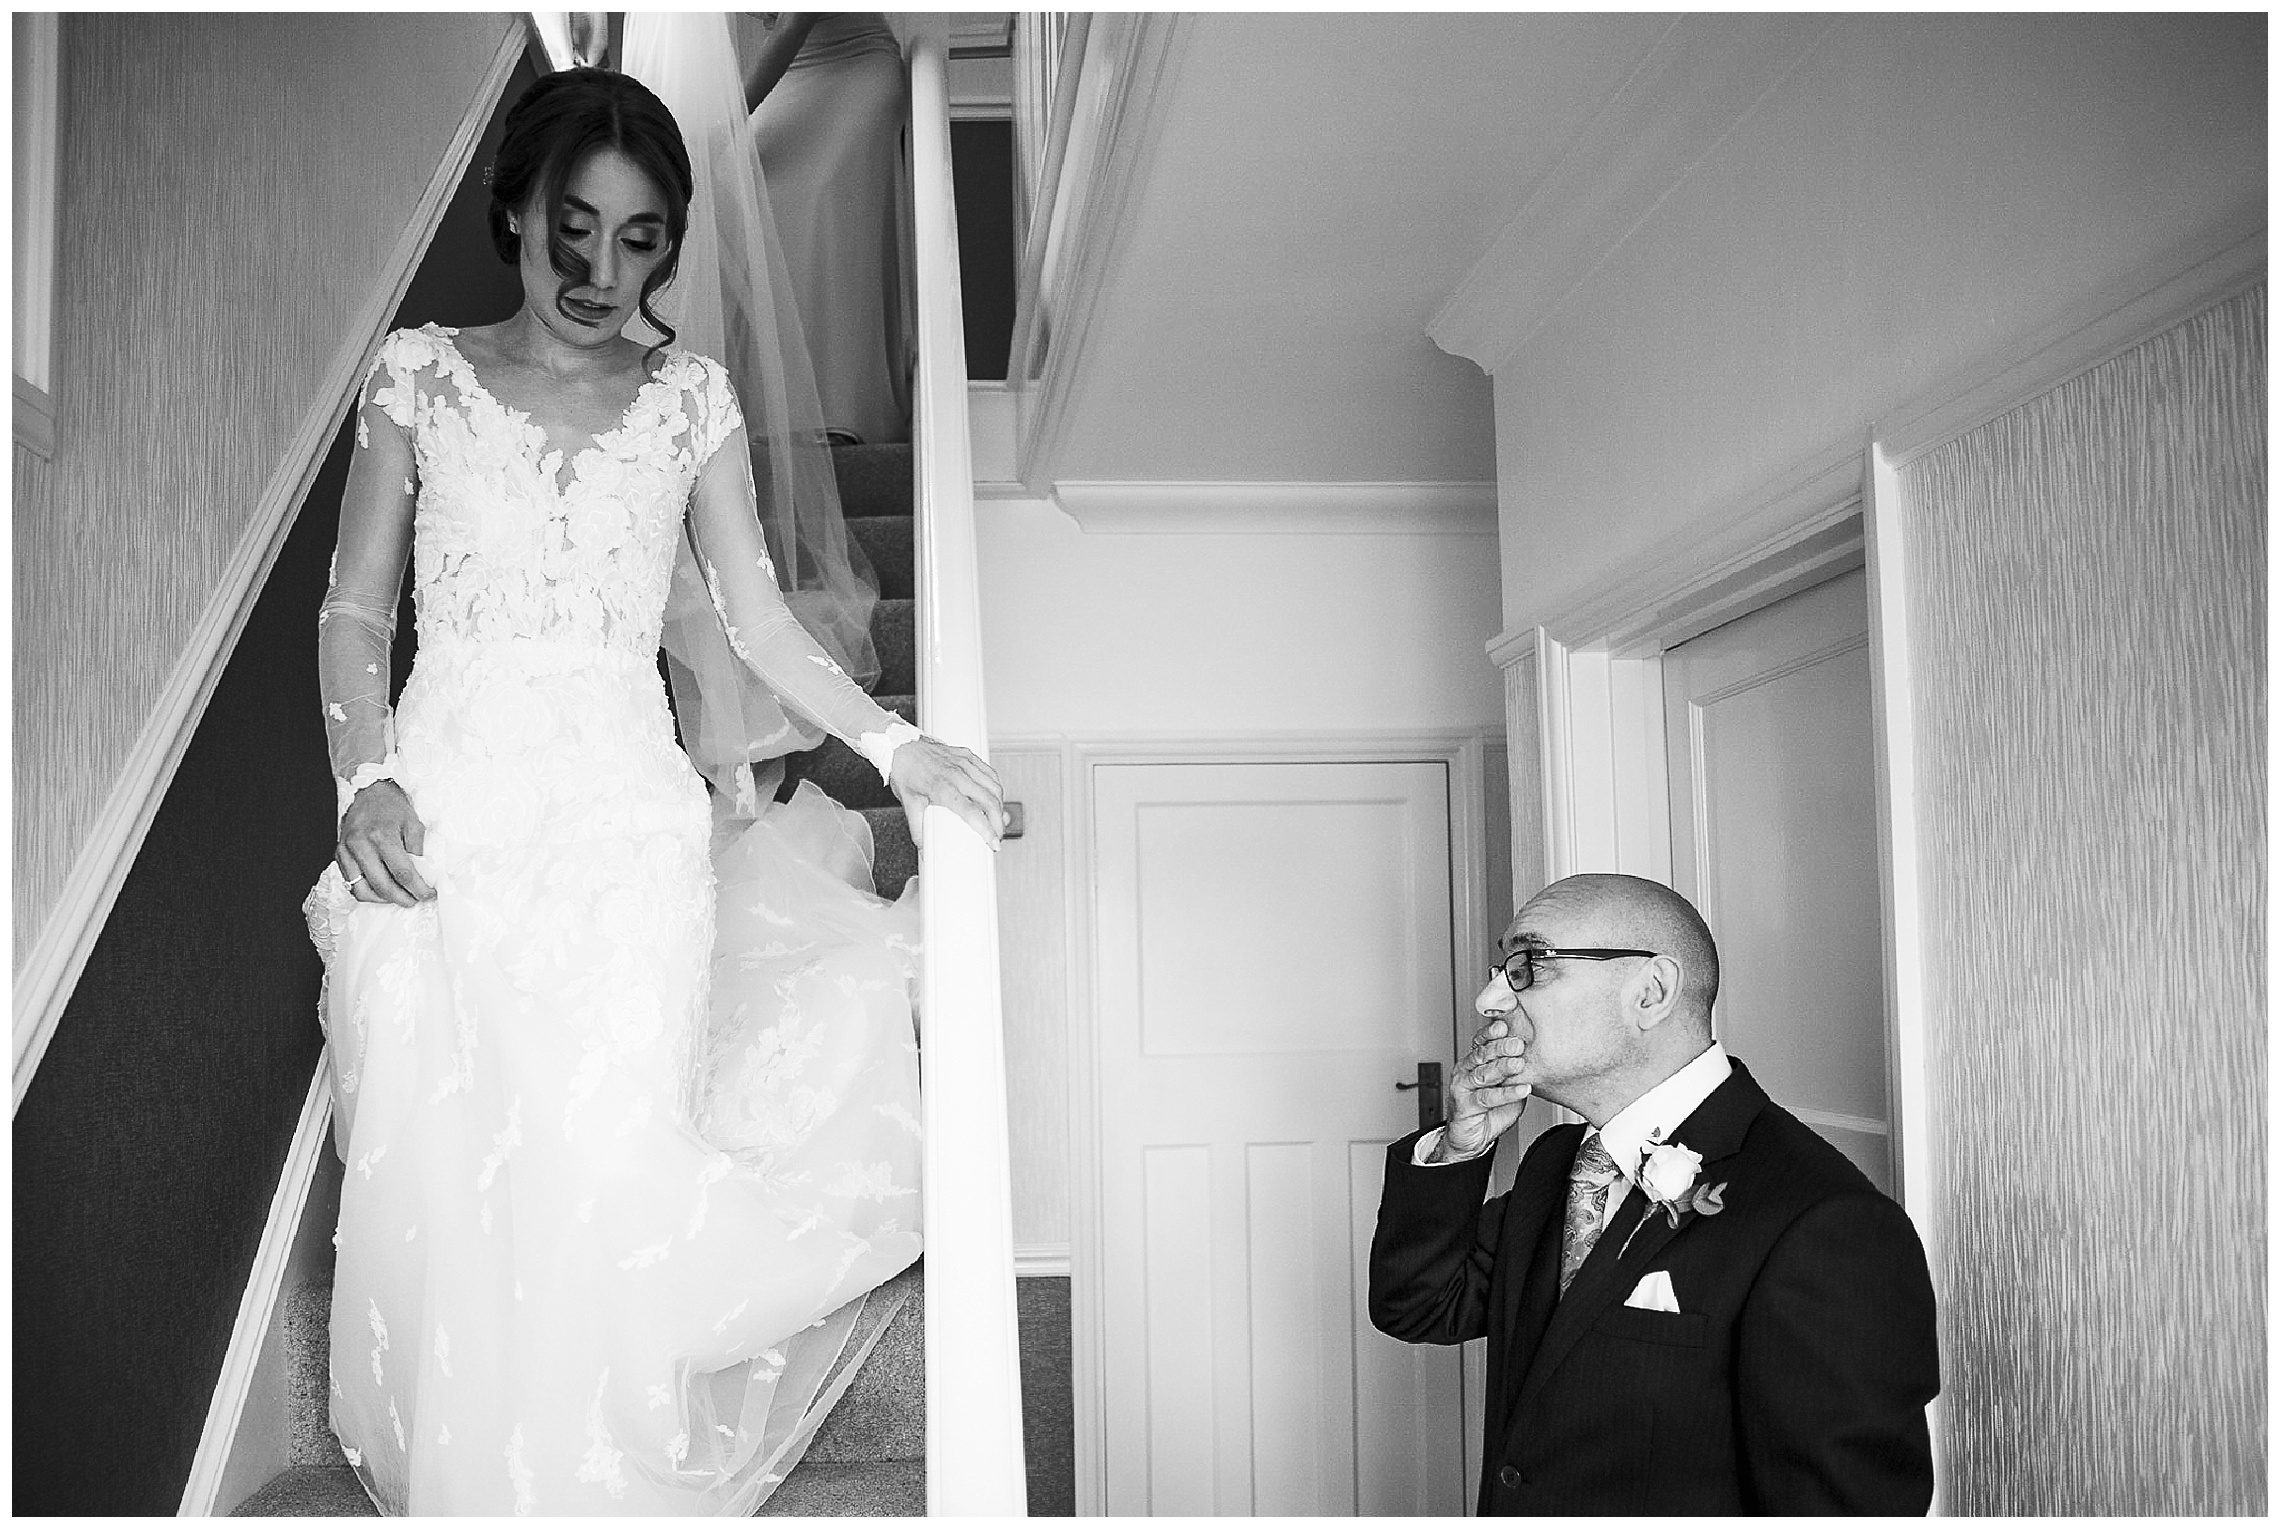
(615, 1188)
(830, 141)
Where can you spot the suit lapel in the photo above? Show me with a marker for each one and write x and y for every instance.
(1715, 1130)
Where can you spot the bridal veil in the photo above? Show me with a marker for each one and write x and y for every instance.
(731, 300)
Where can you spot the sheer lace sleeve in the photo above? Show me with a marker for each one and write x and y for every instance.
(356, 627)
(762, 631)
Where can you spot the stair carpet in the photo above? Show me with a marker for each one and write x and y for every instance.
(868, 1458)
(876, 494)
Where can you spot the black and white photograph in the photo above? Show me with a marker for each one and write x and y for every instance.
(1296, 764)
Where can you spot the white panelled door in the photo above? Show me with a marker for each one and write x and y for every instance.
(1773, 835)
(1274, 955)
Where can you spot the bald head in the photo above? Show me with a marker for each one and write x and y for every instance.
(1645, 915)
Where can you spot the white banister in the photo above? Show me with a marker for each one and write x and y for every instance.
(974, 1462)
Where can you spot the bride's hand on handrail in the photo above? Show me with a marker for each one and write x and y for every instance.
(379, 834)
(926, 772)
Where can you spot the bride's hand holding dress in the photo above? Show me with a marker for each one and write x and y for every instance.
(381, 838)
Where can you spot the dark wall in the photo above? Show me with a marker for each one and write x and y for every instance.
(151, 1140)
(981, 167)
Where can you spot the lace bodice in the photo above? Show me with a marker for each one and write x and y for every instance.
(516, 538)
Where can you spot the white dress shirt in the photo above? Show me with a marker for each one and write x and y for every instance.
(1655, 1115)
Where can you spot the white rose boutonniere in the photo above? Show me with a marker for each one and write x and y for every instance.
(1668, 1171)
(1667, 1174)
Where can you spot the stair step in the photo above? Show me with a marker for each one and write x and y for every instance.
(866, 1458)
(310, 1491)
(846, 1489)
(886, 541)
(894, 858)
(880, 1419)
(894, 632)
(841, 773)
(308, 1379)
(883, 1414)
(874, 480)
(815, 1489)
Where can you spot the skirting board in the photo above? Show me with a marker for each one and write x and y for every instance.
(257, 1307)
(52, 967)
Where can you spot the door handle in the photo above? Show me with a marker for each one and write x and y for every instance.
(1428, 1086)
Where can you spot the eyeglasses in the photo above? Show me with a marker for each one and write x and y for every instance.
(1519, 968)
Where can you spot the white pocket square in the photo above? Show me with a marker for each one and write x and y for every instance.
(1653, 1293)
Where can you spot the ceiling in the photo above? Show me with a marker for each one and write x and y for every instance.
(1320, 186)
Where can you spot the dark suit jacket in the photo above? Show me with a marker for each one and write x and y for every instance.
(1792, 1379)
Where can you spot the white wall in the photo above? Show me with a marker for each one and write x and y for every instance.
(1091, 636)
(1918, 197)
(194, 326)
(1138, 633)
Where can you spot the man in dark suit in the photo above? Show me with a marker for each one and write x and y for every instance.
(1694, 1305)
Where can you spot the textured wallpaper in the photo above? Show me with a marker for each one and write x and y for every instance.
(230, 187)
(2087, 619)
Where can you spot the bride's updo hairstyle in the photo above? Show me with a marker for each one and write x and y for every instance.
(559, 121)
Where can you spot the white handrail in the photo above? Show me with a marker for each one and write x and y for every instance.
(973, 1377)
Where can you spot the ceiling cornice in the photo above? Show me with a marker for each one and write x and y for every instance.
(1702, 79)
(1281, 509)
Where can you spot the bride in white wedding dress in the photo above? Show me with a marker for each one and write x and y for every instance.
(626, 1087)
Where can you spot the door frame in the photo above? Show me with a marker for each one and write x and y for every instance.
(1462, 751)
(1598, 685)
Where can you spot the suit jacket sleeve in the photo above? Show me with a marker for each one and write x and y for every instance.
(1837, 1354)
(1434, 1248)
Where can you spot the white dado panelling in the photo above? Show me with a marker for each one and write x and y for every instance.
(1033, 965)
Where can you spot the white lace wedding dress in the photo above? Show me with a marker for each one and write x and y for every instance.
(622, 1148)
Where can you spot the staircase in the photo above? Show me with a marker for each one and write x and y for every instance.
(868, 1458)
(875, 496)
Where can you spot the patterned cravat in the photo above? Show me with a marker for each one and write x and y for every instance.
(1589, 1180)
